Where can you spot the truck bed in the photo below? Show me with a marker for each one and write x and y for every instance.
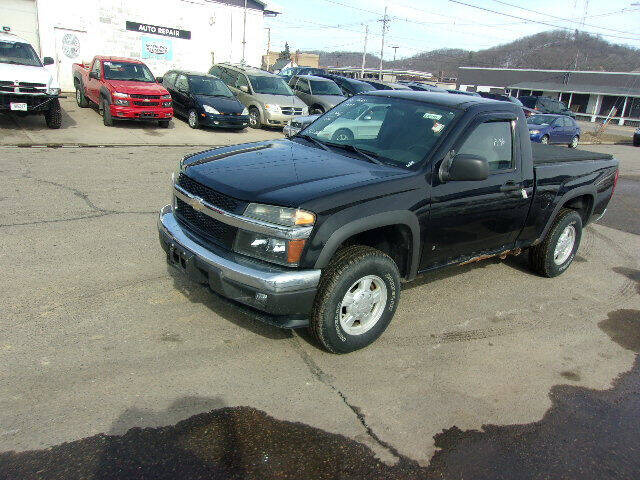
(554, 154)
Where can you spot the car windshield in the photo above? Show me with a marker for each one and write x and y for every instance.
(395, 131)
(270, 85)
(360, 87)
(135, 72)
(541, 119)
(516, 101)
(18, 53)
(529, 102)
(319, 87)
(209, 86)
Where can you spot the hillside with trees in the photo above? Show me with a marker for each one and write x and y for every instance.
(549, 50)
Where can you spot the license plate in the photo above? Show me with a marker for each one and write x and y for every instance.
(21, 107)
(147, 115)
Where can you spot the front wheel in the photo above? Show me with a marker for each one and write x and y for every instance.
(53, 116)
(192, 119)
(574, 142)
(254, 118)
(545, 140)
(555, 253)
(356, 300)
(81, 100)
(105, 111)
(342, 135)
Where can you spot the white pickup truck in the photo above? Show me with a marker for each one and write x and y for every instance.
(26, 87)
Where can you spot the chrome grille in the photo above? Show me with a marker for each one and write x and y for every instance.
(210, 228)
(291, 110)
(211, 196)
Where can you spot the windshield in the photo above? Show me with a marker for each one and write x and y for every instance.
(529, 102)
(516, 101)
(209, 86)
(270, 85)
(541, 120)
(394, 131)
(18, 53)
(135, 72)
(318, 87)
(360, 87)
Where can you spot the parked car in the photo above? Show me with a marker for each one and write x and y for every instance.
(319, 233)
(268, 98)
(123, 89)
(321, 94)
(349, 86)
(554, 129)
(26, 87)
(636, 138)
(546, 105)
(204, 100)
(501, 97)
(289, 72)
(462, 92)
(382, 85)
(296, 124)
(424, 87)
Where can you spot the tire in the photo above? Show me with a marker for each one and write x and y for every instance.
(316, 110)
(545, 140)
(163, 123)
(81, 100)
(53, 116)
(107, 119)
(254, 118)
(544, 258)
(342, 135)
(192, 119)
(359, 270)
(574, 142)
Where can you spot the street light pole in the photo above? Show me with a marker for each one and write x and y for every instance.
(395, 49)
(385, 22)
(244, 32)
(364, 50)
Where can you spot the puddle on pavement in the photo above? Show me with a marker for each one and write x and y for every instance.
(586, 434)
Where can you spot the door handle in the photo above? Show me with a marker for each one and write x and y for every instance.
(510, 187)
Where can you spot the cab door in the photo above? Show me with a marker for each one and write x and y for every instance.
(181, 89)
(92, 88)
(470, 218)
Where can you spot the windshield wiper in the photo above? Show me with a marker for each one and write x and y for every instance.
(313, 140)
(371, 156)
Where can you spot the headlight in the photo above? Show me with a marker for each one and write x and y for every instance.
(210, 109)
(119, 101)
(273, 108)
(53, 91)
(534, 132)
(119, 95)
(289, 217)
(166, 97)
(270, 249)
(305, 111)
(245, 111)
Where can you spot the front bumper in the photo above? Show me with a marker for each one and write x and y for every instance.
(39, 103)
(141, 113)
(285, 294)
(224, 121)
(278, 119)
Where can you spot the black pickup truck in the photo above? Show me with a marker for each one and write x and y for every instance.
(318, 230)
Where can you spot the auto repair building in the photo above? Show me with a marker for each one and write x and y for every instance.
(165, 34)
(593, 96)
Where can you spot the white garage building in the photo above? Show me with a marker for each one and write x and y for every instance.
(165, 34)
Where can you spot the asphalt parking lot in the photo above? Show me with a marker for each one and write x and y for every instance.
(115, 366)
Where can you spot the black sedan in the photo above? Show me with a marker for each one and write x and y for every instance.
(204, 100)
(636, 138)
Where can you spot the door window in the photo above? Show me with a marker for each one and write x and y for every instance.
(242, 81)
(182, 84)
(96, 68)
(169, 79)
(303, 86)
(493, 141)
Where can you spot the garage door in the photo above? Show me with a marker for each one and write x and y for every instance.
(21, 16)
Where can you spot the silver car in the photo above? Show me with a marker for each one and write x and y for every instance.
(298, 123)
(321, 94)
(268, 98)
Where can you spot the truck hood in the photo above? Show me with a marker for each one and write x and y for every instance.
(137, 88)
(283, 172)
(25, 73)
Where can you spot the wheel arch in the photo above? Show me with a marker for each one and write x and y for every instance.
(580, 199)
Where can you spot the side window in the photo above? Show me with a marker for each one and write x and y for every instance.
(303, 86)
(242, 81)
(169, 79)
(217, 71)
(293, 83)
(182, 84)
(96, 68)
(493, 141)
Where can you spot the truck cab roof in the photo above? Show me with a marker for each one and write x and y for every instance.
(462, 102)
(116, 59)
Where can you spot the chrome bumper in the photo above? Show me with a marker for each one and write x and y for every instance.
(262, 278)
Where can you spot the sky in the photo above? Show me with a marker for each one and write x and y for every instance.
(422, 25)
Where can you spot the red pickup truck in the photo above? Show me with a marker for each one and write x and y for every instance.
(123, 89)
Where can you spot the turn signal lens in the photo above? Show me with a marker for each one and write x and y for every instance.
(295, 251)
(304, 218)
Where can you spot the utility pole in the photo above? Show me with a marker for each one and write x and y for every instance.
(268, 45)
(244, 32)
(395, 49)
(385, 25)
(364, 50)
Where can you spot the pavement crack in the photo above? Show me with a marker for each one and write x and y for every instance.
(326, 380)
(82, 217)
(78, 193)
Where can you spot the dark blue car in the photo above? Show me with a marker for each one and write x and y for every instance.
(558, 129)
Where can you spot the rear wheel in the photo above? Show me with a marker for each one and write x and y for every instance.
(356, 300)
(192, 119)
(342, 135)
(254, 118)
(574, 142)
(105, 111)
(53, 116)
(555, 253)
(81, 100)
(545, 139)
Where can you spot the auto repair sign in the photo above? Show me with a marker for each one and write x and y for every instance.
(157, 48)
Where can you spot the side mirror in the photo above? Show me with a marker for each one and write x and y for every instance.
(48, 61)
(93, 75)
(159, 79)
(466, 168)
(244, 88)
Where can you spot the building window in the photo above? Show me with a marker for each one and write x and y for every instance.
(609, 102)
(633, 108)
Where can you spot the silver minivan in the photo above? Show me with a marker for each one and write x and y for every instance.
(267, 96)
